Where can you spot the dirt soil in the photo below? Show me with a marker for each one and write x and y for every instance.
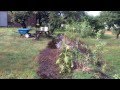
(48, 69)
(108, 32)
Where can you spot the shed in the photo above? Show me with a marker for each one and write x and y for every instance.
(3, 18)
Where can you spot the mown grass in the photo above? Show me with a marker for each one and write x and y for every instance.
(17, 54)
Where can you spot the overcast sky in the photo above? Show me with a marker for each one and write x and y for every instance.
(93, 13)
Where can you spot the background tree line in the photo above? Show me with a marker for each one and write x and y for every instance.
(54, 19)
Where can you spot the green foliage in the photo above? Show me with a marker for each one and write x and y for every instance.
(71, 32)
(69, 55)
(20, 16)
(98, 56)
(100, 34)
(53, 19)
(105, 67)
(56, 18)
(15, 62)
(85, 29)
(82, 75)
(111, 18)
(98, 52)
(115, 30)
(65, 60)
(94, 22)
(116, 76)
(92, 25)
(70, 16)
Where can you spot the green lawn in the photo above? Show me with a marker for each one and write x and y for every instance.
(17, 54)
(112, 52)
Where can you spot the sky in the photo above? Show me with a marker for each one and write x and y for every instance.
(94, 13)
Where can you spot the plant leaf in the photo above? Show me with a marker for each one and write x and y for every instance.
(66, 59)
(58, 61)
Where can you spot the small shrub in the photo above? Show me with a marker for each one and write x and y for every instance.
(116, 76)
(100, 34)
(82, 28)
(85, 29)
(65, 60)
(98, 56)
(71, 35)
(71, 58)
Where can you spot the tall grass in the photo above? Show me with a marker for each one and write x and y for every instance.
(17, 54)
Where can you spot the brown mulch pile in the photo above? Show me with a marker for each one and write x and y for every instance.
(81, 45)
(48, 68)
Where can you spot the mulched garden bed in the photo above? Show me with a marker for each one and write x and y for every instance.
(48, 69)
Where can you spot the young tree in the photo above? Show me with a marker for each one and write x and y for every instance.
(55, 20)
(94, 23)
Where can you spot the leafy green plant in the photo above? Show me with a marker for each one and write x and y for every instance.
(98, 52)
(82, 28)
(104, 67)
(68, 56)
(85, 29)
(65, 61)
(100, 34)
(74, 27)
(116, 76)
(98, 56)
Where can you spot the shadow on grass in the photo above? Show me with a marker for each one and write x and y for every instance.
(107, 37)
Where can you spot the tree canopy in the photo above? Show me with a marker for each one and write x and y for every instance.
(20, 17)
(52, 18)
(112, 19)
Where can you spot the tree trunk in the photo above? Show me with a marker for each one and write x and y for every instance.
(23, 24)
(38, 19)
(118, 35)
(37, 36)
